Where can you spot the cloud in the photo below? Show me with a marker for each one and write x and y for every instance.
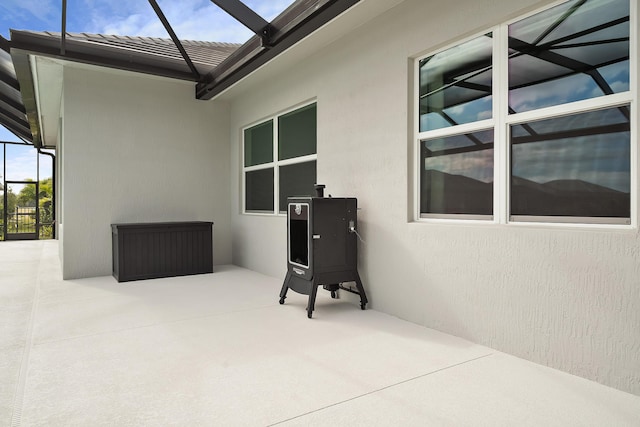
(477, 165)
(268, 9)
(21, 163)
(190, 19)
(600, 159)
(204, 21)
(29, 15)
(554, 92)
(42, 10)
(21, 159)
(7, 136)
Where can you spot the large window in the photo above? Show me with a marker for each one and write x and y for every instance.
(531, 121)
(279, 160)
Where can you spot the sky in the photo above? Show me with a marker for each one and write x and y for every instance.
(190, 19)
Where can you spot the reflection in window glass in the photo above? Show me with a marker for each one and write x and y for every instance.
(297, 133)
(575, 166)
(259, 190)
(457, 174)
(575, 51)
(296, 180)
(456, 85)
(258, 144)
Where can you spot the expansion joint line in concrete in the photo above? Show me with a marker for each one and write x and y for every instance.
(18, 399)
(382, 388)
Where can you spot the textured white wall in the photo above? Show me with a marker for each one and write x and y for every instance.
(138, 149)
(567, 298)
(59, 180)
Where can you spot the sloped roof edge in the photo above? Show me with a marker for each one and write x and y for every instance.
(147, 55)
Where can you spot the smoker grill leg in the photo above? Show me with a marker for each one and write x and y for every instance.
(312, 300)
(285, 287)
(363, 296)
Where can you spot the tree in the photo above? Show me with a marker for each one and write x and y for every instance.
(46, 188)
(11, 201)
(46, 201)
(27, 196)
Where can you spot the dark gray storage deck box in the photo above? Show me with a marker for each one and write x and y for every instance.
(166, 249)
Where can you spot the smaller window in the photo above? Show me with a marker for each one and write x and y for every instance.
(280, 160)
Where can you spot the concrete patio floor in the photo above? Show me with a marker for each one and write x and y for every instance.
(218, 350)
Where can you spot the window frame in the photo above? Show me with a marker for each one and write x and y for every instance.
(275, 164)
(501, 121)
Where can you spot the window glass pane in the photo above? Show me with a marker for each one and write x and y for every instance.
(297, 133)
(259, 190)
(576, 166)
(455, 85)
(575, 51)
(258, 144)
(296, 180)
(457, 174)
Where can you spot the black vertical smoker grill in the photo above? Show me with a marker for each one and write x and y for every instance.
(322, 247)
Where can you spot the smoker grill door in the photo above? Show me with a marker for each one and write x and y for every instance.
(299, 228)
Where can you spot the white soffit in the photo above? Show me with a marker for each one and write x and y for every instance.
(48, 78)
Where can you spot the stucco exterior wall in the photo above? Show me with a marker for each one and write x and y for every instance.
(138, 149)
(564, 297)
